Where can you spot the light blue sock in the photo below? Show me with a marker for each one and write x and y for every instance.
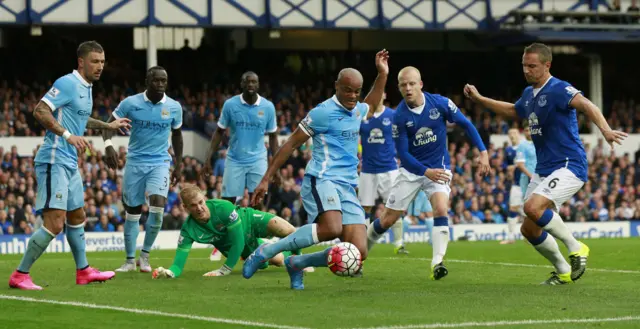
(37, 244)
(303, 237)
(131, 231)
(153, 227)
(316, 259)
(75, 237)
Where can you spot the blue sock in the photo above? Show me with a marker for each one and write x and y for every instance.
(131, 231)
(367, 218)
(377, 226)
(538, 240)
(37, 244)
(75, 237)
(547, 215)
(316, 259)
(303, 237)
(153, 227)
(513, 214)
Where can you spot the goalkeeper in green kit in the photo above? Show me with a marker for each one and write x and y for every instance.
(235, 232)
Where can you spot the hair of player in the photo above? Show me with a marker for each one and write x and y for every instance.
(153, 69)
(189, 192)
(248, 73)
(89, 47)
(353, 73)
(543, 51)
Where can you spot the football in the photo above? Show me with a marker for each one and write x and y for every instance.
(344, 259)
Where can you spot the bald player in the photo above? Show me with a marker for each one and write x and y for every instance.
(420, 134)
(328, 190)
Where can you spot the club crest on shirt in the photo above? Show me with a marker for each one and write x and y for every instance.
(261, 113)
(386, 121)
(164, 113)
(542, 100)
(357, 113)
(434, 114)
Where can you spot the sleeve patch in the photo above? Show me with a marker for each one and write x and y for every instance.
(53, 92)
(452, 107)
(233, 217)
(306, 125)
(572, 91)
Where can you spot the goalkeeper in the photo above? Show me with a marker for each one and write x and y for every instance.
(235, 232)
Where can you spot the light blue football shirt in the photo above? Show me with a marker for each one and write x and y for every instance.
(247, 124)
(526, 152)
(335, 132)
(151, 126)
(71, 101)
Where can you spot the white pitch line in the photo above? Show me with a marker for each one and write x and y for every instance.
(150, 312)
(507, 264)
(508, 323)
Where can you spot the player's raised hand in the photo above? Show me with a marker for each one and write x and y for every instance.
(259, 192)
(483, 166)
(614, 136)
(224, 270)
(80, 143)
(122, 124)
(382, 61)
(439, 176)
(111, 157)
(471, 92)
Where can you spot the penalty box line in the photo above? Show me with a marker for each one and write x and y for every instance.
(150, 312)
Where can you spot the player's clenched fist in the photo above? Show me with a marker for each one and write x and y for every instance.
(471, 92)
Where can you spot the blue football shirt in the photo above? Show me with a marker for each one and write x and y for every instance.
(248, 125)
(378, 149)
(554, 127)
(526, 153)
(151, 126)
(71, 101)
(420, 134)
(335, 131)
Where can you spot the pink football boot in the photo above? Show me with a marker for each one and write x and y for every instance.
(91, 274)
(22, 281)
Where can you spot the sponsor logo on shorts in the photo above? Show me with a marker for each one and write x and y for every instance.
(331, 200)
(59, 196)
(392, 199)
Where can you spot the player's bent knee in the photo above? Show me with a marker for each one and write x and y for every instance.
(54, 220)
(329, 225)
(533, 210)
(529, 229)
(279, 227)
(157, 201)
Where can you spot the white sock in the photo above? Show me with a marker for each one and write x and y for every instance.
(372, 236)
(512, 223)
(560, 230)
(397, 229)
(550, 250)
(440, 240)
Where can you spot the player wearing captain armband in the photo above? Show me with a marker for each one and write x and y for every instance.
(235, 232)
(550, 104)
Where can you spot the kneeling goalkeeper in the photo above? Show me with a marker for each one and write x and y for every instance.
(235, 232)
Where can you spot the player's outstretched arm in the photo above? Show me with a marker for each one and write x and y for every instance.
(122, 123)
(376, 93)
(504, 109)
(182, 253)
(294, 141)
(594, 114)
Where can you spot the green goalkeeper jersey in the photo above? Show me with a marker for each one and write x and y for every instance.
(224, 230)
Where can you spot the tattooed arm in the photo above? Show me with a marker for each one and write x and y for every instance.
(97, 124)
(43, 113)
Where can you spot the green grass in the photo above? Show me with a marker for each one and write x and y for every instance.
(395, 291)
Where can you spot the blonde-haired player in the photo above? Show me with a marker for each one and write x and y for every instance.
(236, 232)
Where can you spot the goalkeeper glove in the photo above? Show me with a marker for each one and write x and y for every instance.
(162, 272)
(224, 270)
